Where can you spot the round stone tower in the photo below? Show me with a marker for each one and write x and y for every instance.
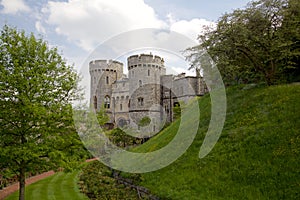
(144, 73)
(103, 73)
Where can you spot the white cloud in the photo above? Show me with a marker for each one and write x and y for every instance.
(90, 22)
(14, 6)
(191, 28)
(39, 27)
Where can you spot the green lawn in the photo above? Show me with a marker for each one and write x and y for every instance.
(256, 157)
(61, 186)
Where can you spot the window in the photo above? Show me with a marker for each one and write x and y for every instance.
(107, 80)
(121, 107)
(140, 101)
(148, 72)
(95, 102)
(107, 102)
(140, 83)
(167, 94)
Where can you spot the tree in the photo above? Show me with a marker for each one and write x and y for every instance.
(121, 139)
(145, 121)
(255, 44)
(290, 31)
(36, 91)
(102, 117)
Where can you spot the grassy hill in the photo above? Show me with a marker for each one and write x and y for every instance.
(256, 157)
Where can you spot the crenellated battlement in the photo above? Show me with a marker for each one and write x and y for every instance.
(105, 65)
(145, 60)
(147, 92)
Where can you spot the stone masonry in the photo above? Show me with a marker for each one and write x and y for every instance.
(145, 92)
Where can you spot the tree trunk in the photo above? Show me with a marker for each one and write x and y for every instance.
(22, 184)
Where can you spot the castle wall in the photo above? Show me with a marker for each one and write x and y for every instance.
(103, 74)
(120, 102)
(144, 88)
(147, 92)
(167, 97)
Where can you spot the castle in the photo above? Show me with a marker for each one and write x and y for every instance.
(146, 92)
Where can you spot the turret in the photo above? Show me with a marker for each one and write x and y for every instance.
(144, 73)
(103, 73)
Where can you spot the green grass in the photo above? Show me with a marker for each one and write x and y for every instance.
(256, 157)
(60, 186)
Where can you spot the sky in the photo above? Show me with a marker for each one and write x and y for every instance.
(88, 29)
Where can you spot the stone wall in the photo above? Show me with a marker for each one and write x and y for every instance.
(103, 74)
(144, 85)
(146, 92)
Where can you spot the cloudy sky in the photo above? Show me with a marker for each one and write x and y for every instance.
(78, 27)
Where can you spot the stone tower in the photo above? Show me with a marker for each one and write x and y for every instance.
(144, 72)
(103, 74)
(146, 94)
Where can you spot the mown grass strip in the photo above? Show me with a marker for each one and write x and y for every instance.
(60, 186)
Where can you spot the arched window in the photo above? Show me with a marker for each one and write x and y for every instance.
(107, 102)
(107, 80)
(95, 102)
(140, 101)
(140, 83)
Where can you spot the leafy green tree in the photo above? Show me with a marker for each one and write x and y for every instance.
(290, 31)
(121, 139)
(176, 111)
(145, 121)
(36, 91)
(255, 44)
(102, 117)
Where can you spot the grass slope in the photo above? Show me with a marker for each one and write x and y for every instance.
(60, 186)
(256, 157)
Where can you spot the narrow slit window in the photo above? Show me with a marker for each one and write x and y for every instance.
(95, 102)
(140, 101)
(107, 102)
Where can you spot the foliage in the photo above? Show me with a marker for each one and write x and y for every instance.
(256, 157)
(121, 139)
(36, 91)
(145, 121)
(98, 183)
(257, 44)
(102, 117)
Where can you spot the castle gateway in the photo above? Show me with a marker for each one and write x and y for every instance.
(146, 93)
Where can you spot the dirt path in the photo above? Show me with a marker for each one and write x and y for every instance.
(15, 187)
